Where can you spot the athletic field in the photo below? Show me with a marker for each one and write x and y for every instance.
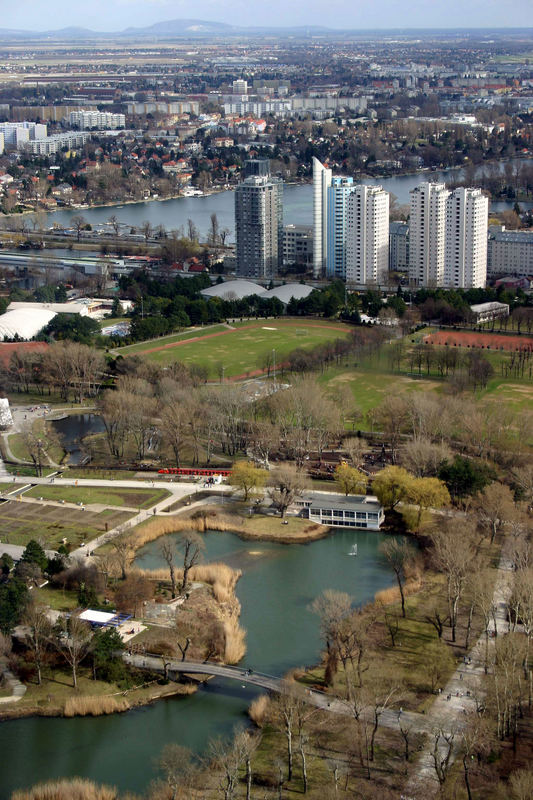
(480, 341)
(241, 349)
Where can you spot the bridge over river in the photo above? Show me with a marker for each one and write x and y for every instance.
(389, 718)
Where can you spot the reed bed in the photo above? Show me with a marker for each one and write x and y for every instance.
(235, 641)
(68, 789)
(258, 710)
(220, 577)
(391, 595)
(94, 706)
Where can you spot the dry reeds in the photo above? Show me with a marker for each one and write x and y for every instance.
(68, 789)
(258, 710)
(220, 577)
(235, 645)
(387, 597)
(94, 706)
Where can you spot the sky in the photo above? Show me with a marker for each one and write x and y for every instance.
(114, 15)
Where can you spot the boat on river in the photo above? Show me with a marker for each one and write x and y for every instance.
(353, 551)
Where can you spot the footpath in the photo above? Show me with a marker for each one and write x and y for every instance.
(449, 712)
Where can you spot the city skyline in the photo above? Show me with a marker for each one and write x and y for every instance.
(120, 14)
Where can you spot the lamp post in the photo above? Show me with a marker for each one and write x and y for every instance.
(274, 374)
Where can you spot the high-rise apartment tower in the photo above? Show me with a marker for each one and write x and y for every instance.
(259, 224)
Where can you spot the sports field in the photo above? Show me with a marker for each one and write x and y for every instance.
(483, 341)
(243, 348)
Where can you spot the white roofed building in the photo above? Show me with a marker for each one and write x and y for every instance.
(24, 323)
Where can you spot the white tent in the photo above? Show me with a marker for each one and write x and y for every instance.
(24, 322)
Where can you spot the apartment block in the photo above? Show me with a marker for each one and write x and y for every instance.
(467, 214)
(85, 120)
(398, 246)
(509, 252)
(367, 237)
(259, 225)
(427, 234)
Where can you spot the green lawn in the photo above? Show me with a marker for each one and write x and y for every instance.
(138, 349)
(19, 449)
(243, 350)
(134, 498)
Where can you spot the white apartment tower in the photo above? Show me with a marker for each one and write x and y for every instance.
(467, 213)
(367, 240)
(427, 234)
(321, 184)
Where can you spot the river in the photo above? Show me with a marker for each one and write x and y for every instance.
(297, 205)
(276, 587)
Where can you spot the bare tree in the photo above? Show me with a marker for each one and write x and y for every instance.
(227, 758)
(454, 555)
(73, 639)
(495, 507)
(177, 765)
(38, 632)
(78, 223)
(192, 546)
(286, 483)
(122, 552)
(399, 554)
(168, 551)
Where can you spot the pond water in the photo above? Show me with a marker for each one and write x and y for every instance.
(277, 586)
(72, 429)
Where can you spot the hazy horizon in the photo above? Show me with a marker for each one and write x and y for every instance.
(115, 15)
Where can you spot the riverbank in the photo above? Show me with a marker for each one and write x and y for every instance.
(40, 702)
(255, 527)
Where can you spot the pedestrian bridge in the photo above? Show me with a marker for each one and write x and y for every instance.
(170, 666)
(173, 666)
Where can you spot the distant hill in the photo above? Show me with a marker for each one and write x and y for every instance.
(197, 28)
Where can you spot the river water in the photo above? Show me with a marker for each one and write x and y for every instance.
(275, 590)
(297, 205)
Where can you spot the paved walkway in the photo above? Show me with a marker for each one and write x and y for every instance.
(389, 718)
(449, 710)
(11, 682)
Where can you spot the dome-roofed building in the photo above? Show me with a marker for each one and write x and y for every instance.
(233, 290)
(285, 293)
(25, 323)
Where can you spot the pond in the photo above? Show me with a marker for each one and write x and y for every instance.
(277, 585)
(72, 429)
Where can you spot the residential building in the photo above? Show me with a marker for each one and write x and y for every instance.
(16, 134)
(164, 107)
(298, 244)
(85, 120)
(1, 143)
(350, 228)
(240, 87)
(259, 224)
(57, 142)
(398, 246)
(465, 263)
(353, 511)
(337, 195)
(448, 237)
(509, 253)
(367, 235)
(427, 234)
(321, 183)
